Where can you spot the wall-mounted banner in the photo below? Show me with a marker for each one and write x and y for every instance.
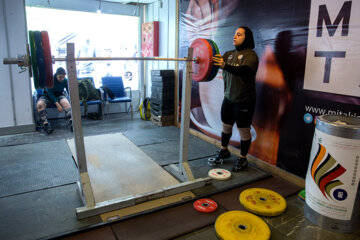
(333, 51)
(150, 39)
(309, 65)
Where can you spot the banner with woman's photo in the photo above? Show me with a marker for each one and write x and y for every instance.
(309, 58)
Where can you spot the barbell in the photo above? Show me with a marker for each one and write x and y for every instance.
(39, 59)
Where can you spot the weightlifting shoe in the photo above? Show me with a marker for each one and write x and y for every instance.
(241, 163)
(48, 128)
(223, 154)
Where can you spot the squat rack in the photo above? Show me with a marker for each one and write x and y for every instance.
(92, 208)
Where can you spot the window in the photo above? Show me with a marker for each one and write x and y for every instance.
(94, 35)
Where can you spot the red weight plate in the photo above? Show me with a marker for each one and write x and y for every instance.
(203, 53)
(205, 205)
(48, 59)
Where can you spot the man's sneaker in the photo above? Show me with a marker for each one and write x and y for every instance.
(241, 163)
(48, 128)
(223, 154)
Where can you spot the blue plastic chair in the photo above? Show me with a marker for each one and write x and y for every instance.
(116, 85)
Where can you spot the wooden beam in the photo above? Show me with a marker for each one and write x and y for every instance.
(131, 200)
(76, 118)
(185, 121)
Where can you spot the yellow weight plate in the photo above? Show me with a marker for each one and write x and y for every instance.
(237, 225)
(263, 201)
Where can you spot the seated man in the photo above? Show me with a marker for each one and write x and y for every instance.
(57, 97)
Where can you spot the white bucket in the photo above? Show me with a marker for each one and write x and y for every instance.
(332, 180)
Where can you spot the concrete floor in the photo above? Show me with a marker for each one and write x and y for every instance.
(39, 193)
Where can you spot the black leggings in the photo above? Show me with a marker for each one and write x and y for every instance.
(241, 113)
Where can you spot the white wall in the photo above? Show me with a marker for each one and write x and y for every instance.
(165, 13)
(15, 98)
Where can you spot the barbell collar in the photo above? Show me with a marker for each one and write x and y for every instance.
(21, 61)
(10, 61)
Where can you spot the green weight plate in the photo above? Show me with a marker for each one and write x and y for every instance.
(215, 45)
(301, 194)
(33, 60)
(214, 69)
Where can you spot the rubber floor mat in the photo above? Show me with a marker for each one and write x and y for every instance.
(103, 233)
(153, 135)
(168, 152)
(31, 167)
(42, 214)
(230, 199)
(200, 169)
(165, 224)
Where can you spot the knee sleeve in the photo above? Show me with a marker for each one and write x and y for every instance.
(226, 128)
(42, 115)
(67, 113)
(245, 133)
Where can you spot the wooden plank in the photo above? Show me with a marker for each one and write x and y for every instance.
(162, 120)
(176, 93)
(186, 186)
(118, 168)
(75, 106)
(146, 206)
(131, 200)
(175, 171)
(185, 120)
(76, 118)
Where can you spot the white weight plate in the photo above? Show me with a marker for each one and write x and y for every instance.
(219, 174)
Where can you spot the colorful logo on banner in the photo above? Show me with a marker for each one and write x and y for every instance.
(325, 171)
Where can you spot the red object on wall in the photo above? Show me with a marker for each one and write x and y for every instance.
(150, 39)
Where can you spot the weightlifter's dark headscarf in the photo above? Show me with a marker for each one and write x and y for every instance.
(249, 39)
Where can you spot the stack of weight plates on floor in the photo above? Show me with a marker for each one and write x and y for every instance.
(203, 69)
(162, 97)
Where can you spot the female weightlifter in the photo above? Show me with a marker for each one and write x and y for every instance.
(57, 97)
(239, 68)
